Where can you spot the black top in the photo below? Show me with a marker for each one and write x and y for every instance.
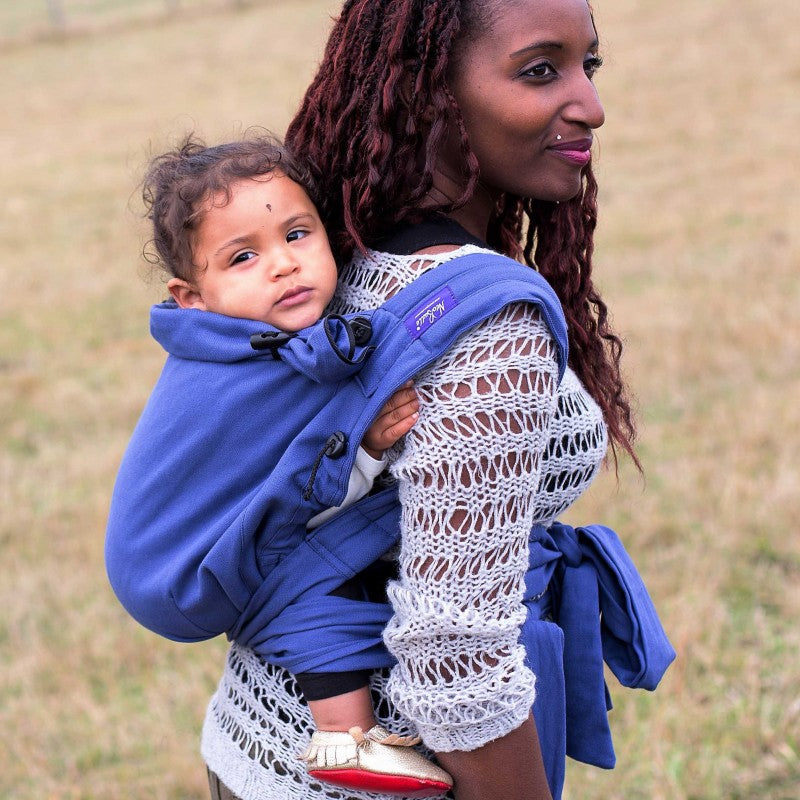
(412, 237)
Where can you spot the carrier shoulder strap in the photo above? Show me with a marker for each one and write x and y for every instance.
(408, 333)
(421, 321)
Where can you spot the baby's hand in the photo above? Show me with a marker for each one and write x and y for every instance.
(395, 419)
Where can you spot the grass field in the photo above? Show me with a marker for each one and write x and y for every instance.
(698, 256)
(22, 23)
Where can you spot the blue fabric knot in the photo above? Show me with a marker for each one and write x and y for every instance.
(566, 539)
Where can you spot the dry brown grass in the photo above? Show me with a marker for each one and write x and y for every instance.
(698, 255)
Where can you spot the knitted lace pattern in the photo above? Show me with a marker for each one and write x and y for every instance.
(499, 447)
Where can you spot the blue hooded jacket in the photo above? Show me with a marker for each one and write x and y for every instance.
(241, 443)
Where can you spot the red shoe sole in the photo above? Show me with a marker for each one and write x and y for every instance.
(384, 784)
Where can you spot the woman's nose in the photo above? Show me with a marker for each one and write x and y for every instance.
(585, 106)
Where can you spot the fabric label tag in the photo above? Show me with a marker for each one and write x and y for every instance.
(429, 311)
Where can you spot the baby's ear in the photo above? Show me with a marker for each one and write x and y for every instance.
(184, 294)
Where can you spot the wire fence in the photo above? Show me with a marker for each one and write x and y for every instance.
(31, 20)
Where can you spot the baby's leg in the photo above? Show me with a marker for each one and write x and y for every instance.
(339, 701)
(349, 749)
(344, 711)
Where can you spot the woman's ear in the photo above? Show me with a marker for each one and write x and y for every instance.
(184, 294)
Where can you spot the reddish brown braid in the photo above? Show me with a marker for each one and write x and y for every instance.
(374, 119)
(371, 127)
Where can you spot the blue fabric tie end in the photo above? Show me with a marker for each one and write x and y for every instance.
(600, 602)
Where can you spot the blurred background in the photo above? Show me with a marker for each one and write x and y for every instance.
(698, 257)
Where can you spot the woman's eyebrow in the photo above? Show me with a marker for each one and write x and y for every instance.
(548, 45)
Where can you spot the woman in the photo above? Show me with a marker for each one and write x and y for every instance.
(435, 128)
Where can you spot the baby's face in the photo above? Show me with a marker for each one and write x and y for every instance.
(264, 255)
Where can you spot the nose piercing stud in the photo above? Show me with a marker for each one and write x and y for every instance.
(558, 137)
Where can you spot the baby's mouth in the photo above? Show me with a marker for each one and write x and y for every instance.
(295, 293)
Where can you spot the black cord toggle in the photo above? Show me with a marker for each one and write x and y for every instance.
(270, 340)
(358, 332)
(362, 330)
(335, 447)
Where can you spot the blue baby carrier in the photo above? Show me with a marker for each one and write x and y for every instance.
(250, 432)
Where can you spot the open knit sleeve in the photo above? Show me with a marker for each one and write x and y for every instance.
(468, 475)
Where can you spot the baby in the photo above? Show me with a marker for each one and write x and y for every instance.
(239, 235)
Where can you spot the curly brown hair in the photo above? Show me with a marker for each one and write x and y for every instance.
(178, 184)
(371, 128)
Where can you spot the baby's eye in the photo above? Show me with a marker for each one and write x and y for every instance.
(591, 65)
(245, 255)
(296, 234)
(544, 69)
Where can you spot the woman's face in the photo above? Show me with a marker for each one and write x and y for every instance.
(524, 87)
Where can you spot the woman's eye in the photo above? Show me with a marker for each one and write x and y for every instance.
(293, 236)
(541, 70)
(245, 255)
(591, 65)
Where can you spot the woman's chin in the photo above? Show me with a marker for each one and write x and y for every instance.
(560, 191)
(566, 192)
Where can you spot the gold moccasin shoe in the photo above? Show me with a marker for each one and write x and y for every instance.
(375, 761)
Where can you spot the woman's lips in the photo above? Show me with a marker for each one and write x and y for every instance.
(295, 296)
(576, 152)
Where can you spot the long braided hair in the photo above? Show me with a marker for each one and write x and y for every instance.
(371, 127)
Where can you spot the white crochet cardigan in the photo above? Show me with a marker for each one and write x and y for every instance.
(498, 447)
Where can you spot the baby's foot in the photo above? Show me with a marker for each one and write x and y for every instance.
(375, 761)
